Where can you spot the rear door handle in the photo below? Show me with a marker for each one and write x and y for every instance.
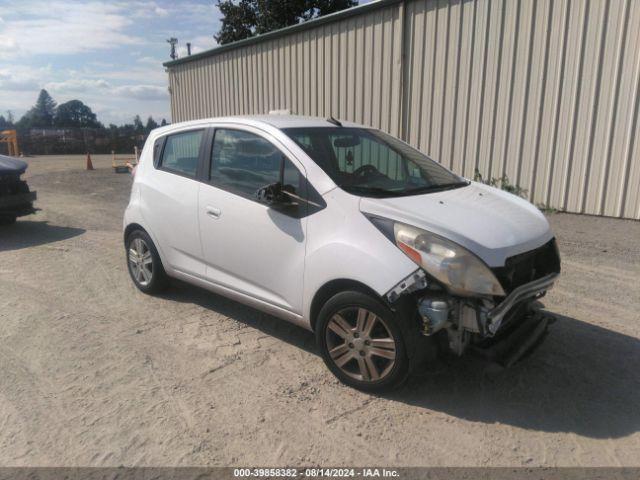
(214, 212)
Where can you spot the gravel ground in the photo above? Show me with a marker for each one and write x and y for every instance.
(94, 373)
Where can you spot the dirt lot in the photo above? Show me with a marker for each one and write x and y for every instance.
(95, 373)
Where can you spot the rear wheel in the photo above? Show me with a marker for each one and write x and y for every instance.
(143, 262)
(361, 342)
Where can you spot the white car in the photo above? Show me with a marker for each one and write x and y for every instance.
(384, 254)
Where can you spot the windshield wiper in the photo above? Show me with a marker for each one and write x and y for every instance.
(436, 188)
(377, 191)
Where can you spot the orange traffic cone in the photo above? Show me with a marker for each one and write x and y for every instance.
(89, 164)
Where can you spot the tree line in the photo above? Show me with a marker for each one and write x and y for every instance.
(72, 127)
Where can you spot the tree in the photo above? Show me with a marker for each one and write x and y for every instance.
(151, 124)
(238, 20)
(163, 123)
(6, 123)
(245, 18)
(74, 113)
(275, 15)
(137, 124)
(325, 7)
(42, 114)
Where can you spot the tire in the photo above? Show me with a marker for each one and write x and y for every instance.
(368, 353)
(8, 220)
(144, 264)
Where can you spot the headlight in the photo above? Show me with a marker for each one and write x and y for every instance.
(456, 267)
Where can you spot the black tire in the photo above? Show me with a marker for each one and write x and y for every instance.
(8, 220)
(158, 280)
(348, 305)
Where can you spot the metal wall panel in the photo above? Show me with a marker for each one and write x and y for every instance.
(546, 92)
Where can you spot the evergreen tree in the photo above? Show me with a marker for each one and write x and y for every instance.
(41, 115)
(138, 127)
(151, 124)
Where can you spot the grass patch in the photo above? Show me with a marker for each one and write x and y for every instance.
(502, 183)
(546, 208)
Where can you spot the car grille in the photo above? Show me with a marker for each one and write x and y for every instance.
(529, 266)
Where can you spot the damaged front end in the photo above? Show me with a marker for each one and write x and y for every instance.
(16, 200)
(502, 328)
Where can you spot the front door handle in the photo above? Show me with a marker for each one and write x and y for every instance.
(214, 212)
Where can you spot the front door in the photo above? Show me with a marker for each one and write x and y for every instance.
(249, 246)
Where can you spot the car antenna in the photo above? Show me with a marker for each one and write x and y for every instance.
(334, 121)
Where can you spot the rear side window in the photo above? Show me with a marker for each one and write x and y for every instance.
(181, 151)
(243, 163)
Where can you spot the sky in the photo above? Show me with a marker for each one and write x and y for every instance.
(108, 54)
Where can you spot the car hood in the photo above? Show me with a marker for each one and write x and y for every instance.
(11, 165)
(491, 223)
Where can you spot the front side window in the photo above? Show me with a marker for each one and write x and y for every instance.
(243, 163)
(181, 151)
(369, 162)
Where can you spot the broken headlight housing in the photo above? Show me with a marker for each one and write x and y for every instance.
(455, 267)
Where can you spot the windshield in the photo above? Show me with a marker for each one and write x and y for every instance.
(371, 163)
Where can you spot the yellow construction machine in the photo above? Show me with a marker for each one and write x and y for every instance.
(10, 137)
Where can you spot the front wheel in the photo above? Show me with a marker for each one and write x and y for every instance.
(361, 342)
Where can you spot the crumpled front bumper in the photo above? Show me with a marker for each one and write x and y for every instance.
(471, 322)
(515, 340)
(530, 290)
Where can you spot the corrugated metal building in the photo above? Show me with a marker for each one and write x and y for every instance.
(544, 91)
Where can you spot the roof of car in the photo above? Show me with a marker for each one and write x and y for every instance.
(275, 120)
(291, 121)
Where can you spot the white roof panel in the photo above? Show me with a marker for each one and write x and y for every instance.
(278, 121)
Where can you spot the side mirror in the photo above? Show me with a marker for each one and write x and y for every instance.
(272, 194)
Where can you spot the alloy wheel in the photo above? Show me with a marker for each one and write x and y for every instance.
(360, 344)
(141, 261)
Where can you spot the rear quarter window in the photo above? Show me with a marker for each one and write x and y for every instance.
(181, 152)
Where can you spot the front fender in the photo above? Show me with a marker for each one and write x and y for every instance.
(350, 248)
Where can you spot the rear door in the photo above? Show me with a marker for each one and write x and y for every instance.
(248, 246)
(170, 199)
